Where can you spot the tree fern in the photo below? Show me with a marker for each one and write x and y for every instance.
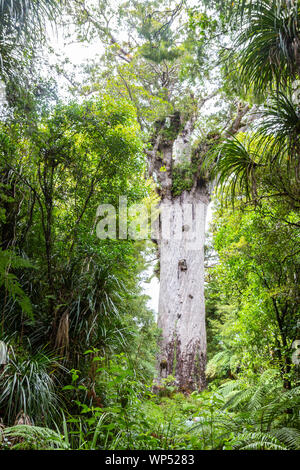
(222, 362)
(9, 260)
(25, 437)
(289, 436)
(258, 441)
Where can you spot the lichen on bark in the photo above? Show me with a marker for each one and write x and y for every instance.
(181, 303)
(184, 189)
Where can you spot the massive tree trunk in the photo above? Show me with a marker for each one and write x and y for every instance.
(181, 300)
(181, 232)
(181, 249)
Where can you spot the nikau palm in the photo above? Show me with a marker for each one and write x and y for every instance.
(269, 48)
(269, 44)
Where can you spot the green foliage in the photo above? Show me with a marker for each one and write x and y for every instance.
(85, 292)
(10, 261)
(264, 417)
(116, 421)
(28, 386)
(258, 263)
(23, 26)
(237, 165)
(157, 69)
(88, 154)
(269, 44)
(184, 174)
(182, 178)
(264, 162)
(26, 437)
(222, 363)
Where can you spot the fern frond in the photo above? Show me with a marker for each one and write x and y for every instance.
(259, 441)
(23, 436)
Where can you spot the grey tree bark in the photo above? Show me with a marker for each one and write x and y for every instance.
(181, 300)
(181, 251)
(181, 234)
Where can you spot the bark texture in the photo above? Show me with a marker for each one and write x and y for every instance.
(181, 300)
(181, 249)
(181, 232)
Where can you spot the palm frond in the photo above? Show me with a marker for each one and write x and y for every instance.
(22, 26)
(269, 43)
(280, 130)
(235, 166)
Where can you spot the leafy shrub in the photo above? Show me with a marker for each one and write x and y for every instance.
(27, 386)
